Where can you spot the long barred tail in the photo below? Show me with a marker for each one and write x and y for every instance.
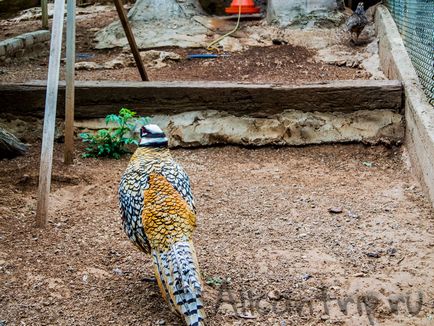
(178, 277)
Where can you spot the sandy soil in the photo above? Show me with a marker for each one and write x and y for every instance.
(268, 245)
(319, 235)
(278, 63)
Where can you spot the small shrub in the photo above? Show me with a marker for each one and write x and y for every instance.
(113, 142)
(217, 281)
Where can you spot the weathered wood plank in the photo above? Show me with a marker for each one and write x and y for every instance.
(96, 99)
(68, 152)
(50, 114)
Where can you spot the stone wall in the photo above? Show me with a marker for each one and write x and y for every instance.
(23, 43)
(292, 127)
(419, 114)
(284, 12)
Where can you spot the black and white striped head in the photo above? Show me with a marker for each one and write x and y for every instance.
(360, 10)
(152, 136)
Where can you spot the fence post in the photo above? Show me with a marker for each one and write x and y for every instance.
(44, 11)
(50, 114)
(69, 96)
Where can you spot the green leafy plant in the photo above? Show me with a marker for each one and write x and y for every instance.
(216, 281)
(112, 142)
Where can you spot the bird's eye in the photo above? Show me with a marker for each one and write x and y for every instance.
(144, 132)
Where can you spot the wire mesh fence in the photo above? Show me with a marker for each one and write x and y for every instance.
(415, 21)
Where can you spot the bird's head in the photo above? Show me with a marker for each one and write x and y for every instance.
(152, 136)
(360, 10)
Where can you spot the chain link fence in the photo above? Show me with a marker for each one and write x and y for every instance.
(415, 21)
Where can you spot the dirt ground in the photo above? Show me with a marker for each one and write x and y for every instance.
(274, 63)
(286, 236)
(318, 235)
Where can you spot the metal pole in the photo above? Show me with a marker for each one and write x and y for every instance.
(50, 114)
(44, 11)
(131, 40)
(69, 103)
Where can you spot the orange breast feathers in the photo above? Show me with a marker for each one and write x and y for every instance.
(166, 216)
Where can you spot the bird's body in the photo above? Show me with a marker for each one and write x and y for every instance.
(357, 21)
(158, 215)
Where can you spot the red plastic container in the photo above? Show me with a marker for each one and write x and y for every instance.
(247, 7)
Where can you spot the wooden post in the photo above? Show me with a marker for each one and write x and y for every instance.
(69, 103)
(50, 114)
(131, 40)
(44, 11)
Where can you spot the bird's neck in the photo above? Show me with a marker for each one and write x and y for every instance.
(152, 150)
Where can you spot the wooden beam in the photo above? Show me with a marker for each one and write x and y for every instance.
(50, 114)
(97, 99)
(68, 156)
(131, 40)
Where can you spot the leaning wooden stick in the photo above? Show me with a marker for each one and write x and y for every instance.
(131, 40)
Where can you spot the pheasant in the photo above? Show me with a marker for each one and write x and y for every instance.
(357, 21)
(159, 217)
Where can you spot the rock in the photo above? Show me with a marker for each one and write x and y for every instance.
(118, 271)
(226, 308)
(306, 276)
(284, 12)
(204, 128)
(247, 315)
(152, 58)
(276, 41)
(352, 215)
(262, 307)
(274, 295)
(325, 317)
(391, 251)
(335, 210)
(157, 23)
(114, 64)
(374, 254)
(97, 272)
(10, 146)
(158, 59)
(159, 55)
(86, 65)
